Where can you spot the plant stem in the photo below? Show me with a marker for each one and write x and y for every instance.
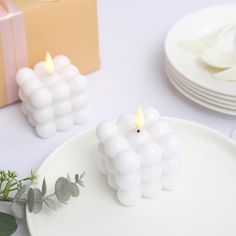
(1, 181)
(10, 199)
(25, 179)
(10, 190)
(21, 180)
(7, 189)
(13, 189)
(15, 183)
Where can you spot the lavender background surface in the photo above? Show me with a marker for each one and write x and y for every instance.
(132, 34)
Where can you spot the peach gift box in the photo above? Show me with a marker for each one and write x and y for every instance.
(30, 28)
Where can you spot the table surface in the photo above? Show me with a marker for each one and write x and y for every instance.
(132, 35)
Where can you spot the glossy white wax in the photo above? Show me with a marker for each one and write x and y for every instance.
(53, 101)
(139, 162)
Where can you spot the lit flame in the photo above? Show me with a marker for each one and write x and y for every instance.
(49, 66)
(139, 119)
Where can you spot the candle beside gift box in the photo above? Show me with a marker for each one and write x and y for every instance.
(53, 95)
(30, 28)
(140, 155)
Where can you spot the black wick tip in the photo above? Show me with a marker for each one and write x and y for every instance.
(138, 130)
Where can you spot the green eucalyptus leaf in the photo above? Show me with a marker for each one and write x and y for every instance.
(18, 210)
(82, 175)
(44, 187)
(20, 192)
(81, 183)
(7, 224)
(76, 178)
(34, 200)
(31, 200)
(38, 203)
(68, 178)
(50, 203)
(37, 193)
(37, 206)
(62, 189)
(74, 190)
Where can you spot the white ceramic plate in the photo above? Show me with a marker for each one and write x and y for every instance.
(208, 97)
(188, 64)
(198, 99)
(215, 106)
(199, 88)
(204, 205)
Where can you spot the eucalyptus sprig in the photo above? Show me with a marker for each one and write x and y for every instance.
(9, 182)
(34, 198)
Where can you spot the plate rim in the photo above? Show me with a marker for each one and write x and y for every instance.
(198, 100)
(212, 99)
(206, 103)
(200, 88)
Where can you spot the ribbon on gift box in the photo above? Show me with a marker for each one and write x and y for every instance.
(14, 49)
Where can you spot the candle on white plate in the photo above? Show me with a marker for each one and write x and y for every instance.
(139, 154)
(172, 152)
(53, 95)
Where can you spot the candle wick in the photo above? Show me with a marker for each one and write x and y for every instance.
(138, 130)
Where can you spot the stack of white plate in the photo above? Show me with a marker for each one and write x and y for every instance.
(185, 69)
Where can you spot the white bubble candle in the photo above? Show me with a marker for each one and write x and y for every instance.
(140, 155)
(53, 95)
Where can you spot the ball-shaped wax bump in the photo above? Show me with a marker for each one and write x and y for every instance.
(31, 120)
(69, 71)
(24, 75)
(106, 130)
(80, 101)
(78, 84)
(151, 173)
(24, 109)
(39, 69)
(50, 80)
(151, 189)
(46, 130)
(111, 180)
(43, 115)
(110, 166)
(159, 129)
(60, 62)
(41, 98)
(128, 182)
(62, 108)
(127, 162)
(115, 145)
(150, 154)
(102, 166)
(171, 166)
(136, 139)
(129, 198)
(29, 106)
(81, 116)
(64, 123)
(22, 95)
(30, 86)
(60, 91)
(150, 115)
(171, 182)
(171, 146)
(126, 123)
(101, 149)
